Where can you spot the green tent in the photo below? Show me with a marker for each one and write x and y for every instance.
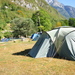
(59, 41)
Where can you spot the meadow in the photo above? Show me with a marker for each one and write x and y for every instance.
(14, 61)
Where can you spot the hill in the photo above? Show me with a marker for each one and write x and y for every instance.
(10, 9)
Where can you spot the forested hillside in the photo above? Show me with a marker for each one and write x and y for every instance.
(11, 9)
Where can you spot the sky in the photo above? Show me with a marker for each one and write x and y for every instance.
(67, 2)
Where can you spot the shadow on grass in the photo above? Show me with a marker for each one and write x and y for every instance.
(26, 51)
(23, 53)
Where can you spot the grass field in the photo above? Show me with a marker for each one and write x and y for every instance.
(13, 61)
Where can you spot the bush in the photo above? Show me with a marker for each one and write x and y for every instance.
(22, 27)
(8, 34)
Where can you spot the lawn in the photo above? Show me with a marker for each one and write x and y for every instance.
(14, 61)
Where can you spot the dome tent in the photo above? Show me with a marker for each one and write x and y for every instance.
(57, 41)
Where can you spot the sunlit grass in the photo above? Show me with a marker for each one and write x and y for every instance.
(13, 61)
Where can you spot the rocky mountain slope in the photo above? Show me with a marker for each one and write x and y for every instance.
(66, 11)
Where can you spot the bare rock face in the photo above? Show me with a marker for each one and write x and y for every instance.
(26, 4)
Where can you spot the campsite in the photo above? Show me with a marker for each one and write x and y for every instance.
(14, 61)
(37, 37)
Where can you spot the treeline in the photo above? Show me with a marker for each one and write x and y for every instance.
(40, 21)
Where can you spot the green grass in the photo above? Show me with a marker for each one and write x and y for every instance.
(13, 61)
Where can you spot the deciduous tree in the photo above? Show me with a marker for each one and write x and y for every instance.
(22, 26)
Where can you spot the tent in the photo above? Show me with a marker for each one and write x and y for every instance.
(4, 40)
(35, 36)
(59, 41)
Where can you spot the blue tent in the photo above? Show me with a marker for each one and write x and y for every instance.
(5, 40)
(35, 36)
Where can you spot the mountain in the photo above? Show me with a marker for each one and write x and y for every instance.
(66, 11)
(10, 9)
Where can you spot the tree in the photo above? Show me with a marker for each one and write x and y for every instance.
(42, 18)
(58, 24)
(64, 22)
(2, 25)
(22, 27)
(8, 34)
(72, 22)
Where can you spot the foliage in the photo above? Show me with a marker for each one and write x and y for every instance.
(42, 18)
(41, 28)
(1, 35)
(58, 24)
(65, 22)
(72, 22)
(62, 23)
(22, 26)
(8, 34)
(2, 25)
